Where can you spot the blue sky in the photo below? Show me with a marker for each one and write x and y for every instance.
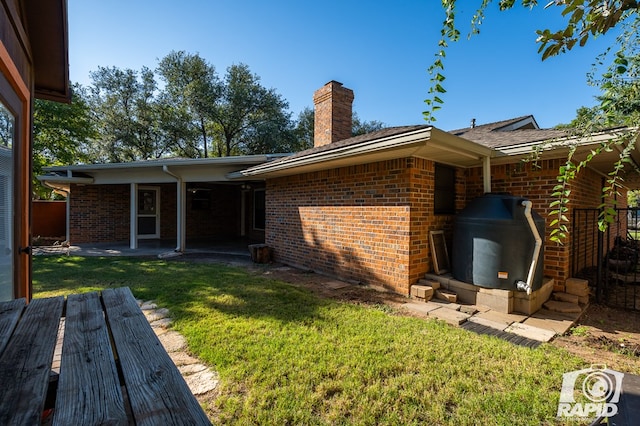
(381, 50)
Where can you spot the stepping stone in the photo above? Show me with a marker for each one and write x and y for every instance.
(157, 314)
(421, 307)
(566, 297)
(161, 323)
(501, 317)
(471, 310)
(555, 325)
(202, 382)
(448, 305)
(182, 358)
(146, 306)
(172, 341)
(191, 368)
(530, 332)
(489, 323)
(450, 316)
(555, 305)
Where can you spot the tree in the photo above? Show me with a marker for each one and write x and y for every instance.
(191, 92)
(305, 127)
(127, 115)
(61, 134)
(244, 109)
(586, 19)
(359, 127)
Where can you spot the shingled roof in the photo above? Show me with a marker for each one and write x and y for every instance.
(515, 131)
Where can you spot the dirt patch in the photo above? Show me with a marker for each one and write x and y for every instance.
(603, 335)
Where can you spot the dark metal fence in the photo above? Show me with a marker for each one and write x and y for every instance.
(610, 260)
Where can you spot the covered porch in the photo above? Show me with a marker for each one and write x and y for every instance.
(174, 201)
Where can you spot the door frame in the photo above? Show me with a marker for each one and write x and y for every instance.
(156, 234)
(17, 98)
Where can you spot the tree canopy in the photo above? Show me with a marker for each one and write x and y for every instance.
(618, 104)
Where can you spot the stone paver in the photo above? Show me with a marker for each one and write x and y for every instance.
(421, 307)
(501, 317)
(173, 341)
(489, 323)
(156, 314)
(563, 307)
(202, 382)
(557, 326)
(449, 315)
(182, 358)
(530, 332)
(199, 377)
(162, 323)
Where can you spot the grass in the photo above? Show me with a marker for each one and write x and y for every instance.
(287, 356)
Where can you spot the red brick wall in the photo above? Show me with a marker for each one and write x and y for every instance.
(99, 213)
(536, 184)
(368, 223)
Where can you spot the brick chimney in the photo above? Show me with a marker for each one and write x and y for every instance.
(333, 113)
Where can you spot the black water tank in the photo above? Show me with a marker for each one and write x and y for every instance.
(493, 244)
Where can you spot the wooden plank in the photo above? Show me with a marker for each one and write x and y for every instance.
(88, 387)
(9, 315)
(25, 364)
(157, 392)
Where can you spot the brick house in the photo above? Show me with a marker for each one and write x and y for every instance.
(360, 208)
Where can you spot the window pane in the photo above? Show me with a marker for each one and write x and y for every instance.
(445, 190)
(147, 201)
(7, 134)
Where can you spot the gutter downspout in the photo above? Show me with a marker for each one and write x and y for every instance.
(181, 209)
(486, 174)
(538, 245)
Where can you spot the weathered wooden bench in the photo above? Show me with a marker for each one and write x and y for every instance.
(113, 369)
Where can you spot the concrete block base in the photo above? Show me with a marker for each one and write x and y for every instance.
(505, 301)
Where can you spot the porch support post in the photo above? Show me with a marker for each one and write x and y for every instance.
(181, 209)
(133, 217)
(181, 228)
(486, 174)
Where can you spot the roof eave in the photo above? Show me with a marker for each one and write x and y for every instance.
(414, 143)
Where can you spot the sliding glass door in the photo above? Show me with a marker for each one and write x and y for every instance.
(7, 137)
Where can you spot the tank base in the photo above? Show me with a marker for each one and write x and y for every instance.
(505, 301)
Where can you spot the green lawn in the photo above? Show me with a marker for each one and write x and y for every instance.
(286, 356)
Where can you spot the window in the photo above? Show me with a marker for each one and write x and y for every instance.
(259, 209)
(445, 190)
